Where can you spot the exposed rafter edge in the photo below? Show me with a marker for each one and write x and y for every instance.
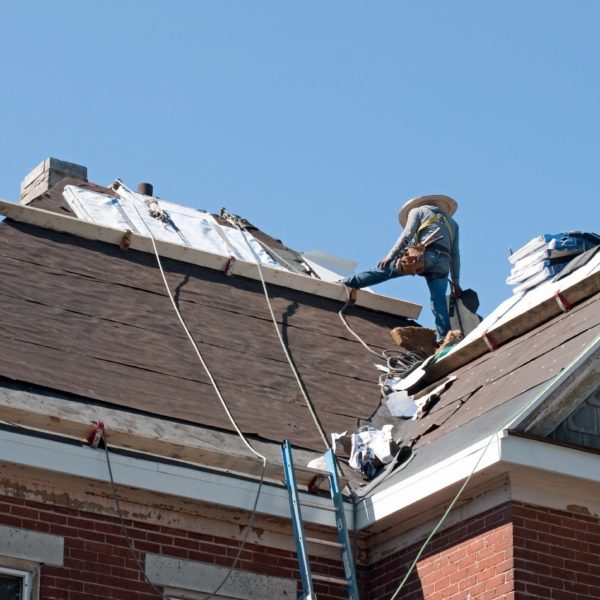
(110, 235)
(146, 434)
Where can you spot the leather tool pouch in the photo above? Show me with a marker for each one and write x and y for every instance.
(412, 262)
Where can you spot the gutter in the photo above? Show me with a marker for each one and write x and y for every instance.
(295, 281)
(144, 473)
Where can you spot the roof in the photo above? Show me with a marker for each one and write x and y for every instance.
(86, 318)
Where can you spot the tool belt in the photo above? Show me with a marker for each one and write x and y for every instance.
(412, 261)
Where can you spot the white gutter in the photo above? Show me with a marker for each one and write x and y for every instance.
(423, 484)
(505, 452)
(294, 281)
(154, 476)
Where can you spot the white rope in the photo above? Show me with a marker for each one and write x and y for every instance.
(189, 335)
(407, 360)
(341, 314)
(281, 341)
(221, 399)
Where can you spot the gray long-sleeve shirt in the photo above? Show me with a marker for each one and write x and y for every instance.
(448, 243)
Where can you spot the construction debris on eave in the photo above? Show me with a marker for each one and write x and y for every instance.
(375, 449)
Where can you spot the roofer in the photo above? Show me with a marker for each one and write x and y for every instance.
(428, 246)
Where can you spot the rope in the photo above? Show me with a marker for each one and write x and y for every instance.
(131, 544)
(124, 531)
(341, 314)
(189, 335)
(217, 391)
(280, 337)
(398, 363)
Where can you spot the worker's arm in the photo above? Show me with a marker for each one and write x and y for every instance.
(412, 224)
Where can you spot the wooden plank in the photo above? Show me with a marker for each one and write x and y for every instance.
(579, 291)
(141, 433)
(325, 362)
(121, 342)
(66, 224)
(130, 312)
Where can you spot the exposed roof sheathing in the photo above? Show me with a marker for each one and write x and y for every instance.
(86, 318)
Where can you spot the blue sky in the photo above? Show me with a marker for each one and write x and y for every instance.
(318, 120)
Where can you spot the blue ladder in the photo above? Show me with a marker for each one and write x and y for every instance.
(343, 543)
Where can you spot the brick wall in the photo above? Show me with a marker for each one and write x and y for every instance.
(99, 564)
(513, 552)
(472, 560)
(557, 554)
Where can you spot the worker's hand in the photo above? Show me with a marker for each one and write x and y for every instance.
(456, 291)
(383, 263)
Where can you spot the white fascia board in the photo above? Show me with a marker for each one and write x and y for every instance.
(501, 449)
(164, 478)
(553, 458)
(420, 486)
(294, 281)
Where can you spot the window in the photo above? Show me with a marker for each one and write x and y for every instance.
(15, 584)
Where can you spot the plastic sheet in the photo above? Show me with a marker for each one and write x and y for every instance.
(184, 226)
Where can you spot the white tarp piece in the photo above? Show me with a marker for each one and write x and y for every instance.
(400, 404)
(184, 226)
(329, 267)
(370, 441)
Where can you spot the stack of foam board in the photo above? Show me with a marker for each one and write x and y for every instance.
(544, 257)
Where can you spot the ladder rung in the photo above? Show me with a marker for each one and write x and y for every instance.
(329, 507)
(327, 579)
(323, 542)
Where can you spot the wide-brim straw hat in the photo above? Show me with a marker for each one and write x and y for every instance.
(445, 203)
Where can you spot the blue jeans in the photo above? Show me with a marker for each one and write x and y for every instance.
(436, 282)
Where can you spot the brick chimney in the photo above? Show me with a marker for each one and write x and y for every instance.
(46, 174)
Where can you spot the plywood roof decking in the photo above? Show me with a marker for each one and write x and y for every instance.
(86, 318)
(519, 366)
